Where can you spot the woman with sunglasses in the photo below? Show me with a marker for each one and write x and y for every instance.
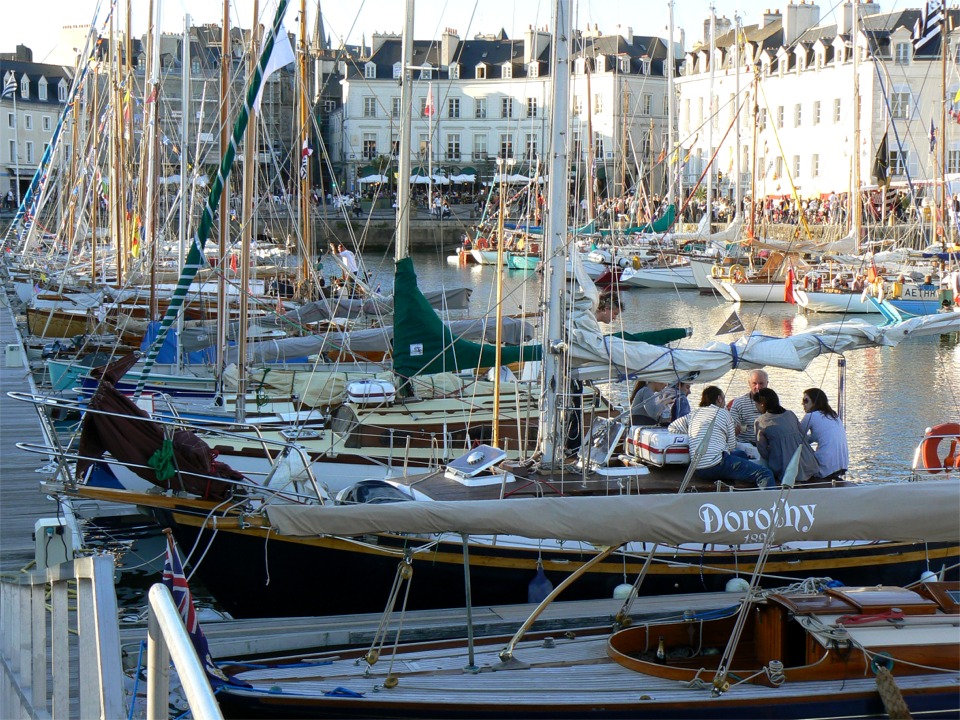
(822, 427)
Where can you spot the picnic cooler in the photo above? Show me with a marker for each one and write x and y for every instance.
(658, 446)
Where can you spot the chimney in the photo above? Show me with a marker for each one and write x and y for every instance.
(449, 42)
(629, 35)
(799, 19)
(535, 41)
(770, 16)
(866, 9)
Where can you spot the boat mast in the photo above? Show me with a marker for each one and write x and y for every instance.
(402, 248)
(711, 112)
(555, 234)
(150, 138)
(671, 110)
(249, 182)
(943, 127)
(306, 126)
(223, 309)
(737, 186)
(185, 106)
(855, 209)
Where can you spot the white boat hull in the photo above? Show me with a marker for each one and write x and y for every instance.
(680, 278)
(834, 302)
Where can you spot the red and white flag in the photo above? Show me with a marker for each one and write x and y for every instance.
(305, 154)
(428, 108)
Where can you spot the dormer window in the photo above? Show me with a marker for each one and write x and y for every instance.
(533, 69)
(644, 65)
(624, 64)
(62, 91)
(370, 71)
(507, 71)
(481, 71)
(42, 89)
(454, 71)
(600, 64)
(397, 71)
(580, 66)
(25, 87)
(426, 72)
(901, 53)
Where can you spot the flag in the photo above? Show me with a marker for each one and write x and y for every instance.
(280, 56)
(662, 155)
(176, 581)
(428, 108)
(305, 154)
(933, 136)
(927, 27)
(791, 278)
(881, 161)
(731, 325)
(9, 87)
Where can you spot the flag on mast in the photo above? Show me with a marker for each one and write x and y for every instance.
(281, 56)
(927, 27)
(933, 136)
(428, 108)
(9, 87)
(305, 153)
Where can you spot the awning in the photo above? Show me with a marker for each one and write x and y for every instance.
(468, 171)
(368, 170)
(373, 179)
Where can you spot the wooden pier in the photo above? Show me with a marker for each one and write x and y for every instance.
(21, 502)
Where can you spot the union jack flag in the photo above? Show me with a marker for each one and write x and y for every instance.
(176, 581)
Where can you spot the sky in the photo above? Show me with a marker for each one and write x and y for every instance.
(36, 23)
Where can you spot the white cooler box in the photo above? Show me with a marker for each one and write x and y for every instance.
(658, 446)
(371, 392)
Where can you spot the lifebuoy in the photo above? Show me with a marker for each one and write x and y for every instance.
(737, 274)
(931, 444)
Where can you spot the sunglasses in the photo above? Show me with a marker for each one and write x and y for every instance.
(806, 400)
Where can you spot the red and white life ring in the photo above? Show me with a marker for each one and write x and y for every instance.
(929, 455)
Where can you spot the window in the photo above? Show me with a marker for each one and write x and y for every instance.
(42, 89)
(426, 72)
(901, 53)
(25, 88)
(453, 107)
(506, 107)
(816, 112)
(481, 72)
(797, 114)
(369, 107)
(480, 147)
(370, 71)
(453, 147)
(645, 65)
(369, 145)
(597, 103)
(953, 161)
(10, 120)
(480, 108)
(424, 145)
(576, 152)
(577, 105)
(780, 117)
(778, 168)
(454, 71)
(394, 146)
(646, 104)
(29, 152)
(507, 71)
(329, 106)
(423, 107)
(397, 71)
(45, 123)
(598, 145)
(900, 104)
(533, 69)
(796, 166)
(395, 107)
(530, 146)
(700, 111)
(13, 151)
(531, 107)
(815, 166)
(897, 165)
(666, 106)
(836, 110)
(28, 122)
(645, 144)
(762, 119)
(506, 146)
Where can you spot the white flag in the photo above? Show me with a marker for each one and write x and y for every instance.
(281, 56)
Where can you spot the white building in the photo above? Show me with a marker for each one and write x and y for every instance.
(41, 94)
(805, 84)
(489, 100)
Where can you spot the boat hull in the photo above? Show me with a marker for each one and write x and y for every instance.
(252, 574)
(834, 302)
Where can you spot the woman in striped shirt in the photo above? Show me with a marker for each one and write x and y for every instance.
(711, 423)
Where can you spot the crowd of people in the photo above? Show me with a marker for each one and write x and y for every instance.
(753, 437)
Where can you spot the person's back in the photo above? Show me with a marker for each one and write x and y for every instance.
(721, 437)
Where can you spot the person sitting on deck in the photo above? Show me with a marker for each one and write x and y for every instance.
(711, 427)
(744, 409)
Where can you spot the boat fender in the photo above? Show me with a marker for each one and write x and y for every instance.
(737, 585)
(622, 591)
(929, 576)
(931, 444)
(636, 262)
(539, 587)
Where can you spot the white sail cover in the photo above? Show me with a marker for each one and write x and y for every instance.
(652, 362)
(918, 511)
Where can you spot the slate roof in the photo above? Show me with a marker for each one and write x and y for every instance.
(34, 71)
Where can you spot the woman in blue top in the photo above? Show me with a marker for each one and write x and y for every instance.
(822, 427)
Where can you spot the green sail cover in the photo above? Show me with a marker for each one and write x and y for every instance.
(422, 343)
(661, 224)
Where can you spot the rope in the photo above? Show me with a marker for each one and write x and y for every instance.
(893, 701)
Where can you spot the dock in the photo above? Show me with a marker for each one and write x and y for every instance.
(21, 502)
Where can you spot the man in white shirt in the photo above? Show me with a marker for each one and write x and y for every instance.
(349, 261)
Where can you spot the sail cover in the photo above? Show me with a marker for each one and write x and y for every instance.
(919, 511)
